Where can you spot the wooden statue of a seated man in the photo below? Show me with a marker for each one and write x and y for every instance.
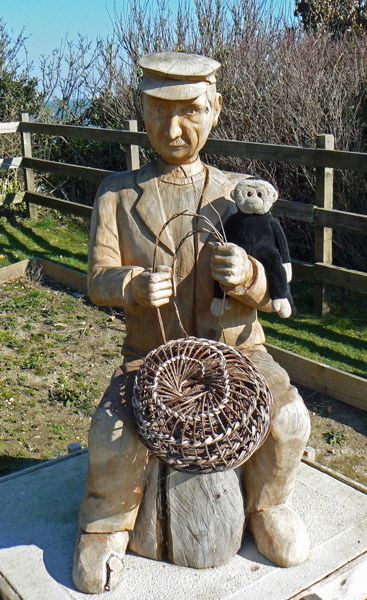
(181, 105)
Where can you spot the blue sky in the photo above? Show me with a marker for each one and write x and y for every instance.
(48, 22)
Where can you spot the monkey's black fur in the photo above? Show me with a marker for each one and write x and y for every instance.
(262, 237)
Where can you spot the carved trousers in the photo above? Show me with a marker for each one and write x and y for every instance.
(118, 460)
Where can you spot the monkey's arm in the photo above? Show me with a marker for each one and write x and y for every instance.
(282, 246)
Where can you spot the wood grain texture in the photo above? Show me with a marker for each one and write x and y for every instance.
(132, 151)
(324, 190)
(10, 163)
(317, 376)
(99, 560)
(322, 273)
(340, 385)
(12, 127)
(15, 271)
(311, 157)
(64, 275)
(205, 518)
(7, 592)
(29, 184)
(72, 208)
(49, 166)
(8, 199)
(296, 211)
(338, 219)
(302, 270)
(117, 136)
(347, 278)
(146, 539)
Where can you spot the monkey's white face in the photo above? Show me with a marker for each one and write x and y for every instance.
(254, 196)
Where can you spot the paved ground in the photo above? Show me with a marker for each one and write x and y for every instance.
(39, 513)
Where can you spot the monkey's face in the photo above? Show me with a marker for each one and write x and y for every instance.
(254, 196)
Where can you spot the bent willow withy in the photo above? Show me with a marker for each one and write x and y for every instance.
(201, 406)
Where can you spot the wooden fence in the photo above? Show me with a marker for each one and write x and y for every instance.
(323, 158)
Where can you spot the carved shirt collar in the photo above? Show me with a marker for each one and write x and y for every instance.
(180, 174)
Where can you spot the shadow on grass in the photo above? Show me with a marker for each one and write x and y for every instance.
(45, 249)
(116, 311)
(37, 239)
(319, 329)
(317, 347)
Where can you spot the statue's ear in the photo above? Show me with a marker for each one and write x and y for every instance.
(217, 108)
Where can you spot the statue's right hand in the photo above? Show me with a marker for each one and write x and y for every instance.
(152, 289)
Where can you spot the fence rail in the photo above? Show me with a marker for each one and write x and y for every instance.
(49, 166)
(65, 206)
(309, 157)
(13, 127)
(296, 211)
(11, 163)
(98, 134)
(324, 159)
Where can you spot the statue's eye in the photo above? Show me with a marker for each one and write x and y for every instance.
(249, 194)
(187, 111)
(190, 110)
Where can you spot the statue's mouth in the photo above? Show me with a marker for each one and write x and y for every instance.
(178, 143)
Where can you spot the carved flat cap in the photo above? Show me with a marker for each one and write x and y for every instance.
(177, 76)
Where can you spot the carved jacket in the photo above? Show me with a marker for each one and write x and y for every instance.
(127, 217)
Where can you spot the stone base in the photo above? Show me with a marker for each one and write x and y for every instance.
(39, 521)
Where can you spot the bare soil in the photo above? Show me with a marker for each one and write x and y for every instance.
(57, 354)
(338, 434)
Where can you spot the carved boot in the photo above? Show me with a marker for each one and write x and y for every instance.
(99, 561)
(280, 535)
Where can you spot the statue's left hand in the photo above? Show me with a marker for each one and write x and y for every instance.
(230, 265)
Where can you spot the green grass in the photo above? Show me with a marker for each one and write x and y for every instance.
(339, 341)
(73, 392)
(53, 237)
(58, 430)
(335, 437)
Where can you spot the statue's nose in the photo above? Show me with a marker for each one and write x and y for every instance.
(173, 129)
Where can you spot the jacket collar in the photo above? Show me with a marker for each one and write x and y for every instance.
(214, 203)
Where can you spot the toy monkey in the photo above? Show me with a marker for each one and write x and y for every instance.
(255, 230)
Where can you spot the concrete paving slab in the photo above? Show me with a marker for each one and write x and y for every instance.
(39, 516)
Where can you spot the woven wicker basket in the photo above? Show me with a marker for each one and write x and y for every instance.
(200, 406)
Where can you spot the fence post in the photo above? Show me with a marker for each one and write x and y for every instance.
(132, 151)
(323, 235)
(28, 173)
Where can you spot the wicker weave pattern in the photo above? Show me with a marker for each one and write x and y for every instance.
(200, 406)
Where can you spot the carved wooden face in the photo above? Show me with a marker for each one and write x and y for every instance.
(178, 129)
